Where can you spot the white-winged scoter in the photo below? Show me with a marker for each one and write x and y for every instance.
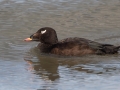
(70, 46)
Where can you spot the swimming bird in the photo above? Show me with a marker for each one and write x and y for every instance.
(73, 46)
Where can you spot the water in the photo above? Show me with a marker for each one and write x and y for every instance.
(23, 67)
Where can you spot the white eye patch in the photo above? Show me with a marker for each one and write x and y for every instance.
(42, 32)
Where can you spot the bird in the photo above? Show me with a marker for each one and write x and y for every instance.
(72, 46)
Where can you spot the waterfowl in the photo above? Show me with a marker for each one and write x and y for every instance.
(70, 46)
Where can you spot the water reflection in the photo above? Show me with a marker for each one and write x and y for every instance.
(48, 67)
(45, 67)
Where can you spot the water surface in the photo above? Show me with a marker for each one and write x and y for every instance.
(23, 67)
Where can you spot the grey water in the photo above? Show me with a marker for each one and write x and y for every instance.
(23, 67)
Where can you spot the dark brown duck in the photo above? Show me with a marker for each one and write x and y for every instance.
(69, 46)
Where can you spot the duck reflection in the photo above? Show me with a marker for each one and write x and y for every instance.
(47, 67)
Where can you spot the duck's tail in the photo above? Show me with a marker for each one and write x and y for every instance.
(110, 49)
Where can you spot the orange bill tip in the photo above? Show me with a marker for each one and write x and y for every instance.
(28, 39)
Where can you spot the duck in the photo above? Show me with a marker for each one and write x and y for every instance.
(72, 46)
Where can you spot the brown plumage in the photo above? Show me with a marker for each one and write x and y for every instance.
(69, 46)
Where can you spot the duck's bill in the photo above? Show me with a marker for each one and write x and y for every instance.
(28, 39)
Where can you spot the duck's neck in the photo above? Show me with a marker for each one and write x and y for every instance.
(46, 48)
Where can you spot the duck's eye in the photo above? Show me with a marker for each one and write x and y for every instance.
(42, 32)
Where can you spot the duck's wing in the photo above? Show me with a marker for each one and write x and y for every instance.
(82, 42)
(98, 48)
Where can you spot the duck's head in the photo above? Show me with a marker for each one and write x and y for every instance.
(44, 35)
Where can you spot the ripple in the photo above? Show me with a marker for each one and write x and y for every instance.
(24, 67)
